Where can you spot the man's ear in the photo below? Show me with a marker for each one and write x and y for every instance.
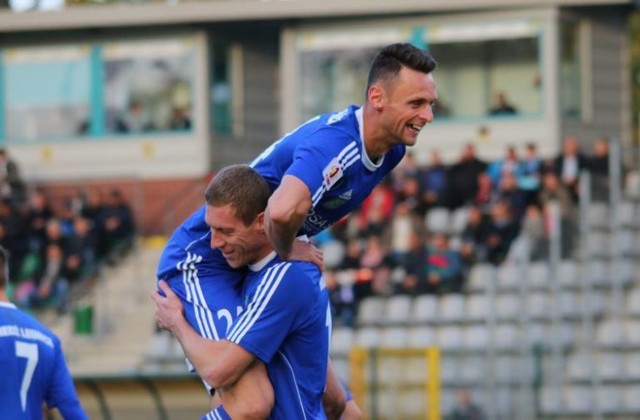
(375, 96)
(260, 221)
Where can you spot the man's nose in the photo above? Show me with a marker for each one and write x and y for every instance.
(216, 242)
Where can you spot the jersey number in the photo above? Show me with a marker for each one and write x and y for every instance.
(30, 352)
(226, 314)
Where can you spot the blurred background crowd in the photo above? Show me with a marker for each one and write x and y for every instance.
(57, 248)
(423, 228)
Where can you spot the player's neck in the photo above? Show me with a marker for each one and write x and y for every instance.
(3, 296)
(372, 138)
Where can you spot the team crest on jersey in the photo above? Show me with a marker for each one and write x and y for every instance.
(332, 173)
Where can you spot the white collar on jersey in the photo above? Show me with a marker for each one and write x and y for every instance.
(263, 262)
(8, 305)
(366, 161)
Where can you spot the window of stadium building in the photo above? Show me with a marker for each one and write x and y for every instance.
(498, 62)
(46, 92)
(570, 74)
(149, 86)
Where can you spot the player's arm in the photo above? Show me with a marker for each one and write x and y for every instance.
(285, 213)
(334, 398)
(219, 363)
(61, 393)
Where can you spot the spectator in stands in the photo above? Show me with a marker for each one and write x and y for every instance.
(374, 260)
(433, 182)
(508, 165)
(463, 175)
(407, 169)
(38, 214)
(50, 288)
(12, 234)
(180, 120)
(342, 299)
(118, 226)
(502, 106)
(474, 237)
(503, 229)
(350, 266)
(135, 120)
(508, 191)
(569, 164)
(534, 231)
(81, 252)
(600, 170)
(412, 197)
(444, 266)
(553, 190)
(376, 209)
(12, 186)
(486, 195)
(402, 225)
(530, 174)
(465, 408)
(415, 280)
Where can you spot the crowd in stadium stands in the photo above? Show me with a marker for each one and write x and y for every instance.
(55, 252)
(387, 247)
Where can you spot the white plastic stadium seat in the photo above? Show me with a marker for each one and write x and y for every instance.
(419, 337)
(398, 310)
(394, 337)
(568, 274)
(507, 307)
(477, 308)
(480, 277)
(578, 399)
(452, 308)
(450, 338)
(371, 311)
(341, 340)
(459, 220)
(425, 309)
(610, 366)
(368, 337)
(476, 338)
(437, 220)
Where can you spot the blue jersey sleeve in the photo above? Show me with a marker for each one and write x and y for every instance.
(320, 162)
(62, 394)
(272, 311)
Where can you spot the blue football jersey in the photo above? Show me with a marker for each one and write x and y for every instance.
(209, 289)
(287, 324)
(327, 154)
(33, 369)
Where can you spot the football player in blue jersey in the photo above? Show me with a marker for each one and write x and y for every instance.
(33, 367)
(318, 173)
(287, 320)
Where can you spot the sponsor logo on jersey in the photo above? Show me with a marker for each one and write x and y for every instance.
(314, 223)
(346, 195)
(332, 173)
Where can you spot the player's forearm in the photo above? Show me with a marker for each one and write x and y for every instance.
(207, 356)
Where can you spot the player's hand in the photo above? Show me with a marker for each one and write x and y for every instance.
(169, 309)
(305, 251)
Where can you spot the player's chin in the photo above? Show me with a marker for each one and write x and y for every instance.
(410, 140)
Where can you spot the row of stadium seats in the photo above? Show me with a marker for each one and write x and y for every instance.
(510, 277)
(479, 308)
(453, 222)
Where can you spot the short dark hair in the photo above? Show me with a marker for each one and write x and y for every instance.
(4, 267)
(390, 60)
(243, 188)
